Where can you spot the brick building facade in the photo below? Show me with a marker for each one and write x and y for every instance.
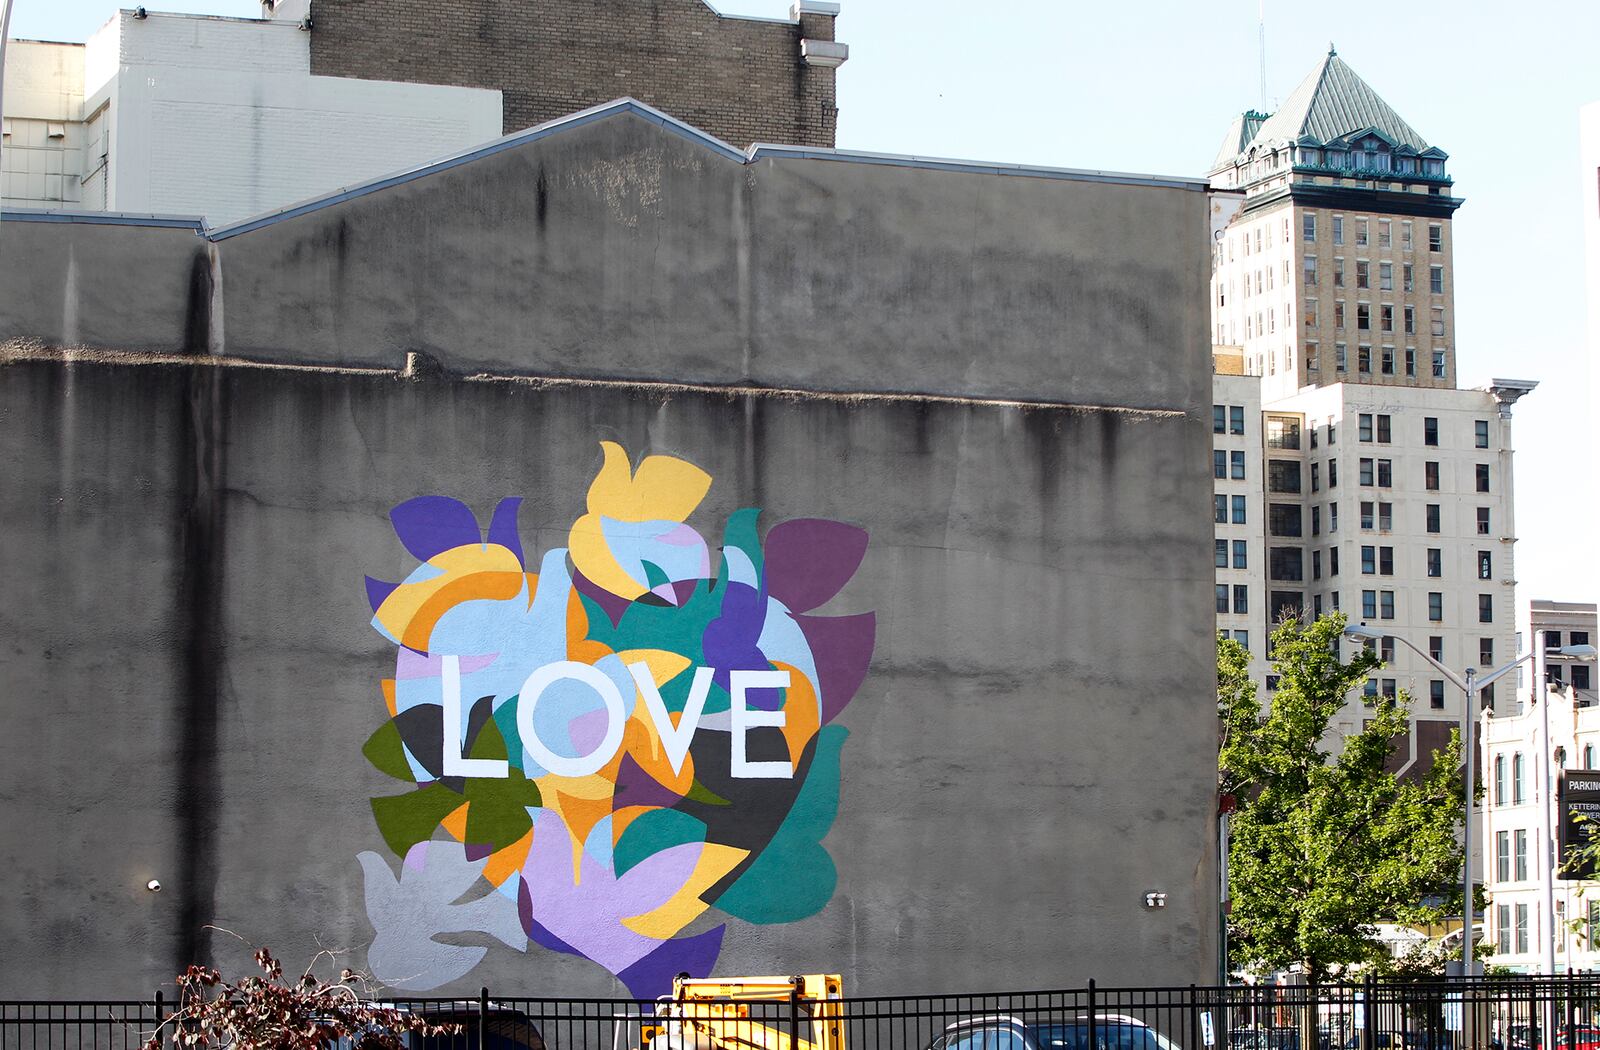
(744, 80)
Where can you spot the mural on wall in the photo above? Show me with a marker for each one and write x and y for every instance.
(629, 739)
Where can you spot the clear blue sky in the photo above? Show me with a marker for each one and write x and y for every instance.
(1150, 86)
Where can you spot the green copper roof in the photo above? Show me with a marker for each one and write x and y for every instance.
(1330, 104)
(1334, 102)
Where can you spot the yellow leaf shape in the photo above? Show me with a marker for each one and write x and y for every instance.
(664, 488)
(664, 665)
(684, 906)
(456, 822)
(507, 862)
(470, 572)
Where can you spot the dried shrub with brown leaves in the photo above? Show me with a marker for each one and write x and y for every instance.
(268, 1012)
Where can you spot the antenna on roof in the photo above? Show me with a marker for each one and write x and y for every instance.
(1261, 27)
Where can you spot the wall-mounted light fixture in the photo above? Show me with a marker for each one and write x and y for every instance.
(1155, 899)
(154, 885)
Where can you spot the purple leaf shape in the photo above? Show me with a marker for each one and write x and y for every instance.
(729, 641)
(652, 976)
(842, 648)
(428, 525)
(503, 526)
(377, 591)
(613, 606)
(808, 560)
(635, 787)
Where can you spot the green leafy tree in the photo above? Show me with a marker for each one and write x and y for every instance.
(1325, 842)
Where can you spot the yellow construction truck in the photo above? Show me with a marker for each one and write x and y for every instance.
(749, 1013)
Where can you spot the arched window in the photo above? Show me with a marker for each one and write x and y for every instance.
(1588, 756)
(1499, 780)
(1516, 778)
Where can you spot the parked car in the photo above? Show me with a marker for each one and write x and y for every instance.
(999, 1032)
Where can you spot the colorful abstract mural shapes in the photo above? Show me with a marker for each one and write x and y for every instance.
(620, 750)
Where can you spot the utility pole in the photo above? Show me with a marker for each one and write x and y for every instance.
(1261, 33)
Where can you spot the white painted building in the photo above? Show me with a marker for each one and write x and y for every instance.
(217, 117)
(1519, 821)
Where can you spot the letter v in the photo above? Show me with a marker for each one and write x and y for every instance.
(676, 739)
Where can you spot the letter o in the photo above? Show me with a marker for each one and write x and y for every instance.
(546, 676)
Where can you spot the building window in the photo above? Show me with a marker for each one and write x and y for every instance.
(1411, 361)
(1580, 679)
(1283, 475)
(1236, 463)
(1588, 763)
(1408, 281)
(1486, 608)
(1222, 597)
(1410, 321)
(1386, 649)
(1286, 563)
(1316, 565)
(1366, 471)
(1482, 473)
(1386, 277)
(1310, 263)
(1219, 419)
(1316, 471)
(1222, 554)
(1364, 359)
(1502, 853)
(1333, 483)
(1522, 928)
(1364, 427)
(1500, 788)
(1385, 605)
(1219, 463)
(1435, 562)
(1385, 474)
(1485, 565)
(1432, 514)
(1485, 652)
(1519, 855)
(1240, 554)
(1436, 647)
(1516, 779)
(1338, 229)
(1333, 569)
(1222, 510)
(1338, 313)
(1283, 432)
(1435, 607)
(1435, 237)
(1387, 365)
(1383, 233)
(1369, 604)
(1364, 317)
(1405, 234)
(1236, 419)
(1385, 517)
(1430, 475)
(1480, 433)
(1361, 233)
(1438, 364)
(1369, 561)
(1436, 280)
(1238, 510)
(1385, 429)
(1385, 561)
(1308, 226)
(1389, 689)
(1316, 521)
(1483, 521)
(1283, 519)
(1437, 322)
(1241, 601)
(1369, 692)
(1340, 357)
(1310, 313)
(1363, 274)
(1436, 694)
(1368, 517)
(1430, 430)
(1386, 322)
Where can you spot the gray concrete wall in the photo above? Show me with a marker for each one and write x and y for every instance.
(190, 671)
(617, 249)
(1026, 758)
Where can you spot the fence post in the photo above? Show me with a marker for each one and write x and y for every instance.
(1370, 1009)
(1194, 1017)
(794, 1011)
(160, 1009)
(1572, 1010)
(483, 1017)
(1092, 1041)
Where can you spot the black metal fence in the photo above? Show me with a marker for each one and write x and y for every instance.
(1492, 1013)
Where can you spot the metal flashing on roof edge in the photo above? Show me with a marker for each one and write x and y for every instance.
(758, 151)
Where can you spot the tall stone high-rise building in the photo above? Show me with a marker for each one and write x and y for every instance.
(1366, 481)
(1338, 265)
